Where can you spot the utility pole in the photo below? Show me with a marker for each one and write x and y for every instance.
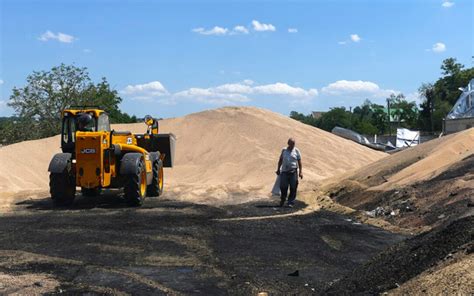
(350, 116)
(431, 106)
(388, 112)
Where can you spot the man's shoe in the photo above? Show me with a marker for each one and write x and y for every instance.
(290, 205)
(282, 202)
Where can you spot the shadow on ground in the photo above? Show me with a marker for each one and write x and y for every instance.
(169, 247)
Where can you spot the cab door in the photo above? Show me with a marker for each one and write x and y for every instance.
(68, 133)
(103, 125)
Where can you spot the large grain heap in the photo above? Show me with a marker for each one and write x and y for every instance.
(225, 155)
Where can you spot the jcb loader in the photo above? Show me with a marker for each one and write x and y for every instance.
(95, 157)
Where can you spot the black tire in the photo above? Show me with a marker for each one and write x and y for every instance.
(62, 188)
(134, 190)
(90, 192)
(156, 186)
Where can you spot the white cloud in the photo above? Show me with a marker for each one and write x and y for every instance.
(356, 88)
(229, 93)
(257, 26)
(292, 30)
(447, 4)
(86, 50)
(1, 81)
(214, 31)
(439, 47)
(280, 88)
(229, 88)
(240, 29)
(241, 92)
(61, 37)
(352, 38)
(147, 91)
(336, 93)
(217, 96)
(355, 38)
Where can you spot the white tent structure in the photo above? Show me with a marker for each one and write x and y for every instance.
(464, 106)
(461, 117)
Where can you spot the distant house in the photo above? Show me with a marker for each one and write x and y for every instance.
(317, 114)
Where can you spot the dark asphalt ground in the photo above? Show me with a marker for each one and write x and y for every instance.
(407, 259)
(169, 247)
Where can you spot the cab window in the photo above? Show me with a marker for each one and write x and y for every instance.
(89, 127)
(68, 134)
(68, 130)
(103, 123)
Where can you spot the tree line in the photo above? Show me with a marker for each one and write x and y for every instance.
(37, 106)
(437, 99)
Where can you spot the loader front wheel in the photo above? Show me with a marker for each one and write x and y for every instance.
(62, 188)
(156, 186)
(135, 186)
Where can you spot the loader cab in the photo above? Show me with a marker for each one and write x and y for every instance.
(73, 121)
(152, 125)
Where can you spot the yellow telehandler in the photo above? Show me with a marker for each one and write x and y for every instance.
(95, 157)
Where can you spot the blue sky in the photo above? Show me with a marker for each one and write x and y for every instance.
(171, 58)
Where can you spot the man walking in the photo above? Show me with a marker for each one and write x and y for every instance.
(288, 166)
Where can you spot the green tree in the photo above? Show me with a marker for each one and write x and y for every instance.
(39, 103)
(426, 92)
(361, 119)
(451, 67)
(307, 119)
(46, 94)
(447, 88)
(363, 112)
(439, 98)
(107, 99)
(365, 127)
(379, 118)
(338, 116)
(405, 112)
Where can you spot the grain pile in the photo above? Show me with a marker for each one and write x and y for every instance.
(225, 155)
(414, 165)
(420, 184)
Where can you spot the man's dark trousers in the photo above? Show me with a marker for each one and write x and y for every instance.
(288, 179)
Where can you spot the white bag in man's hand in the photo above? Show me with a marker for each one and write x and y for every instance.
(276, 187)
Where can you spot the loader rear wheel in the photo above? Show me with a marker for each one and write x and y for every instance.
(62, 188)
(135, 186)
(156, 186)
